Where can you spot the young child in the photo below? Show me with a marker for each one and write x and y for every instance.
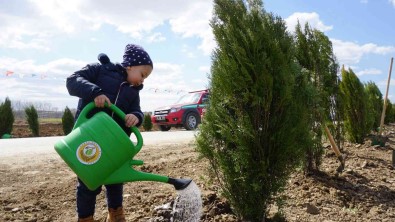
(117, 84)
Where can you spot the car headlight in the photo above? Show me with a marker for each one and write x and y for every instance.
(173, 110)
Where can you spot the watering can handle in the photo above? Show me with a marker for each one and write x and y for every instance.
(83, 118)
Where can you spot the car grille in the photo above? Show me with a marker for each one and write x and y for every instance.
(161, 112)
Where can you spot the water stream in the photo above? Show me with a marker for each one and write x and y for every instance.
(187, 205)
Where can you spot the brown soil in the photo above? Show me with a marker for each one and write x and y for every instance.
(21, 130)
(43, 188)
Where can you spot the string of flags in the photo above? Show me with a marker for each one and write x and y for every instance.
(9, 73)
(170, 91)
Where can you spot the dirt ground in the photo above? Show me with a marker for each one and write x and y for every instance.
(43, 188)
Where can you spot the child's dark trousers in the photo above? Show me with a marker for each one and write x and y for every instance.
(86, 199)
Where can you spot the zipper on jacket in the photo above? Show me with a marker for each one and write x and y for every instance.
(116, 99)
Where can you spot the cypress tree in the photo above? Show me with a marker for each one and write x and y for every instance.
(374, 105)
(389, 113)
(147, 124)
(32, 120)
(67, 121)
(315, 54)
(355, 107)
(6, 117)
(255, 128)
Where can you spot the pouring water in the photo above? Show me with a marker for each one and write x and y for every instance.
(187, 205)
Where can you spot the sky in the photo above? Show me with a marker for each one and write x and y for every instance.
(42, 42)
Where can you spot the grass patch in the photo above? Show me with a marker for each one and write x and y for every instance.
(50, 120)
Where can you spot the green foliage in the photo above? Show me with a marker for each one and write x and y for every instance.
(255, 129)
(67, 121)
(315, 54)
(374, 105)
(389, 113)
(6, 117)
(147, 124)
(32, 120)
(355, 107)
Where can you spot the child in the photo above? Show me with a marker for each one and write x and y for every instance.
(112, 84)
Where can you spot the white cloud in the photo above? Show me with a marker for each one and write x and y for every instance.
(195, 22)
(369, 72)
(187, 51)
(161, 87)
(38, 81)
(27, 34)
(351, 53)
(392, 2)
(60, 68)
(364, 1)
(44, 19)
(59, 12)
(205, 69)
(156, 37)
(303, 17)
(165, 78)
(37, 90)
(383, 84)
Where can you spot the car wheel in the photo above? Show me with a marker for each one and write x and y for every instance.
(164, 128)
(191, 121)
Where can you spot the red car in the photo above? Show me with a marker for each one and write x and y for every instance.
(186, 112)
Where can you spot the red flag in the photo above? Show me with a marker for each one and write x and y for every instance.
(9, 73)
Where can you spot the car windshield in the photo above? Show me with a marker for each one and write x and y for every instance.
(189, 98)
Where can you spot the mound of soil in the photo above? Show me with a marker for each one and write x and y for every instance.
(42, 188)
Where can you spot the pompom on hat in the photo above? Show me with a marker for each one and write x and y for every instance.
(135, 55)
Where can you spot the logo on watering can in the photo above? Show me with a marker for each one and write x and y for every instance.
(88, 152)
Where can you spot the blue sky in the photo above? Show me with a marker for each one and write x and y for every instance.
(44, 41)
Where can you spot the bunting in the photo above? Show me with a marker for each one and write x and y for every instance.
(9, 73)
(12, 74)
(169, 91)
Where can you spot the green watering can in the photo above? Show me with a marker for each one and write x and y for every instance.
(100, 152)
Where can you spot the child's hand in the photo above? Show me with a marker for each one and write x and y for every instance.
(100, 101)
(131, 120)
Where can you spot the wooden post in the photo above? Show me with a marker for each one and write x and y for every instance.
(334, 146)
(385, 99)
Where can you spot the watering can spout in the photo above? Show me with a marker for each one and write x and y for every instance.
(179, 184)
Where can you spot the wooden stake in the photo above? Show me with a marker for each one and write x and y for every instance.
(385, 99)
(334, 146)
(336, 150)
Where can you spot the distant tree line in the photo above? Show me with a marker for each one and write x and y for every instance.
(8, 115)
(31, 114)
(44, 109)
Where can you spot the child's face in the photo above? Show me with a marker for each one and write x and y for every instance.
(137, 74)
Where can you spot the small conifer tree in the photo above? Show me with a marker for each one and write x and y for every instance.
(67, 121)
(6, 117)
(255, 129)
(355, 107)
(389, 113)
(32, 120)
(147, 123)
(315, 54)
(374, 105)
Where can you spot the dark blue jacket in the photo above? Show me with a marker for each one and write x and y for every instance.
(109, 79)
